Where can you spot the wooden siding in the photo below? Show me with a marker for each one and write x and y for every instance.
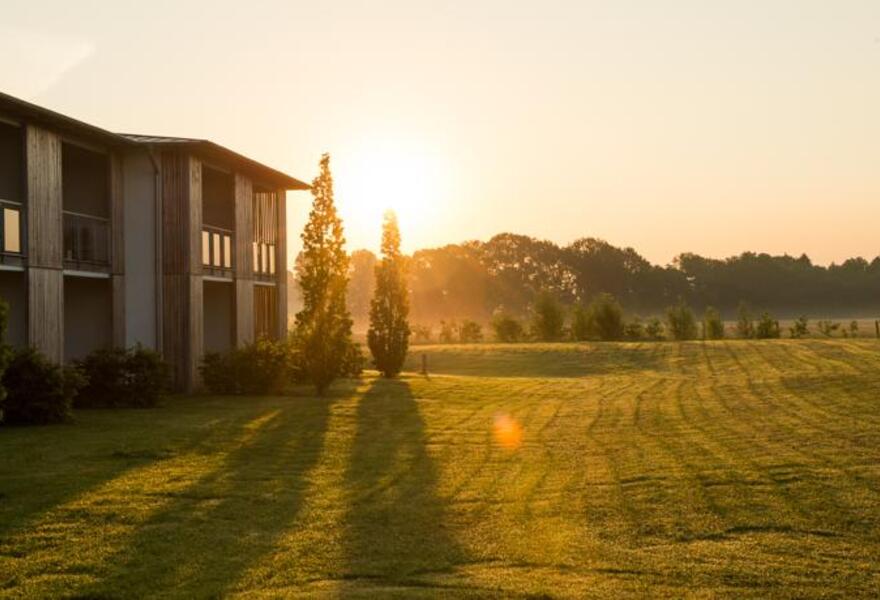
(44, 243)
(265, 311)
(281, 265)
(244, 271)
(44, 199)
(117, 301)
(46, 312)
(182, 327)
(244, 227)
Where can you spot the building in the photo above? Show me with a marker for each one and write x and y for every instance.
(113, 239)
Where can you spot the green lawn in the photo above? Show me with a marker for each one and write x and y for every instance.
(698, 469)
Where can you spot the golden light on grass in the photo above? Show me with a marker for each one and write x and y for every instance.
(507, 431)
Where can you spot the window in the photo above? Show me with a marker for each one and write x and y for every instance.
(265, 232)
(227, 252)
(206, 248)
(216, 261)
(12, 230)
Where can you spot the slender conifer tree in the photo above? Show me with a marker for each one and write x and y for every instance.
(388, 336)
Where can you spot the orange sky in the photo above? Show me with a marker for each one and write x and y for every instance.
(712, 127)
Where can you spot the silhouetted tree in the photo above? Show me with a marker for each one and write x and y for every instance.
(548, 318)
(605, 318)
(323, 326)
(713, 326)
(681, 322)
(388, 336)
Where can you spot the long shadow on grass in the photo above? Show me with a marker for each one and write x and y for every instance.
(396, 527)
(74, 460)
(209, 534)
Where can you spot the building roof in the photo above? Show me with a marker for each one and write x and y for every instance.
(210, 149)
(43, 116)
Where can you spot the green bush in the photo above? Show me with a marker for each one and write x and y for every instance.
(133, 378)
(261, 368)
(421, 334)
(605, 318)
(827, 328)
(506, 328)
(634, 330)
(580, 323)
(800, 328)
(654, 329)
(470, 332)
(548, 318)
(5, 350)
(681, 322)
(713, 326)
(745, 326)
(767, 328)
(448, 332)
(38, 392)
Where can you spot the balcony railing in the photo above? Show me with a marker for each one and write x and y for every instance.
(217, 244)
(86, 240)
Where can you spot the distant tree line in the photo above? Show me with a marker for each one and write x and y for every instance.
(509, 273)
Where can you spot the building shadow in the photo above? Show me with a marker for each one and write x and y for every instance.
(397, 527)
(209, 534)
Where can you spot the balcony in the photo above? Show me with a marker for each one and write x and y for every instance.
(86, 242)
(217, 251)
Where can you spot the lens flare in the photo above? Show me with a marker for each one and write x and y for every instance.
(507, 431)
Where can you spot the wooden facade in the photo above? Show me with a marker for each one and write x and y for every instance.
(67, 238)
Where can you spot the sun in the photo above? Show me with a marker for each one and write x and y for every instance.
(380, 174)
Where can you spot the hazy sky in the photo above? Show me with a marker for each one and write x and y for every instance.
(703, 126)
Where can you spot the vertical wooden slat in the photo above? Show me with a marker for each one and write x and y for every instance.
(44, 243)
(44, 198)
(117, 249)
(46, 312)
(244, 272)
(183, 335)
(281, 263)
(118, 307)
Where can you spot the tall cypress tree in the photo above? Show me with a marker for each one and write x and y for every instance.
(323, 326)
(388, 336)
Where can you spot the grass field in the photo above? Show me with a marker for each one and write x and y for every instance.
(696, 469)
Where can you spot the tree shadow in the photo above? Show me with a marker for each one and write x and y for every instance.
(210, 533)
(397, 525)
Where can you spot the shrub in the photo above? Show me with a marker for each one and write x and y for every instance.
(134, 377)
(38, 392)
(605, 318)
(506, 328)
(827, 328)
(799, 328)
(634, 330)
(768, 327)
(548, 318)
(854, 329)
(713, 326)
(421, 334)
(654, 329)
(745, 327)
(681, 322)
(470, 332)
(261, 368)
(448, 332)
(580, 323)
